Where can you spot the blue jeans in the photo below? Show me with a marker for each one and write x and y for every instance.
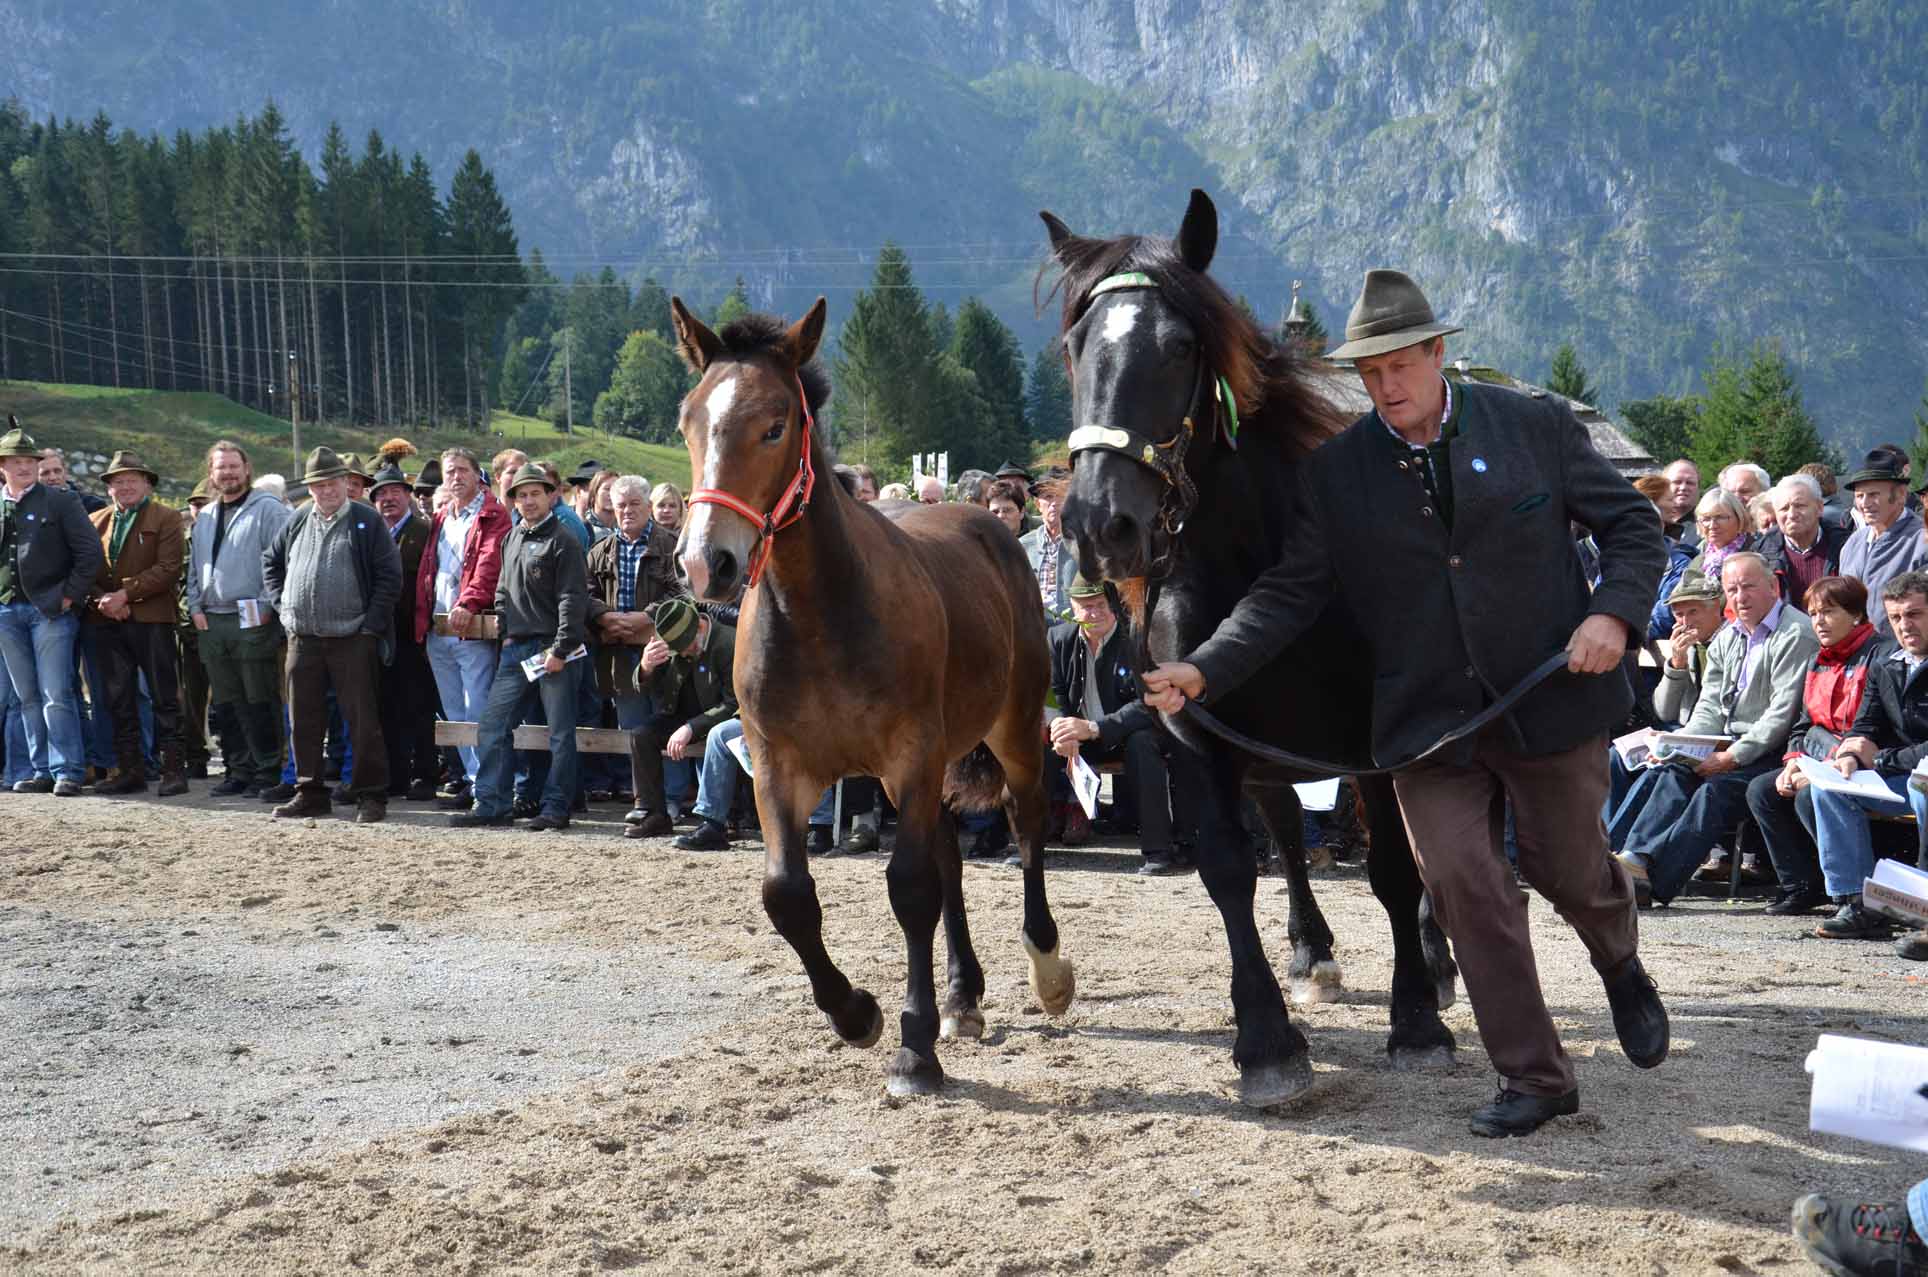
(39, 654)
(18, 765)
(1841, 833)
(716, 786)
(510, 697)
(1683, 817)
(464, 671)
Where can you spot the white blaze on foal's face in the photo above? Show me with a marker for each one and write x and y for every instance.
(1120, 320)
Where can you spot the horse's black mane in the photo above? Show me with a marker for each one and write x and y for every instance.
(759, 334)
(1269, 380)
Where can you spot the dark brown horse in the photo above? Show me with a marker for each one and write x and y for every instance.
(900, 641)
(1168, 487)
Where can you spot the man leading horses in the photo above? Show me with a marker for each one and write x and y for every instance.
(1441, 519)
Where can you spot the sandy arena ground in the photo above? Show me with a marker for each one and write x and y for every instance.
(235, 1045)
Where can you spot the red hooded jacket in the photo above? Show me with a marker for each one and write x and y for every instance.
(481, 563)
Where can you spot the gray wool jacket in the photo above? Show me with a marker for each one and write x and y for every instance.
(1761, 715)
(218, 583)
(1454, 616)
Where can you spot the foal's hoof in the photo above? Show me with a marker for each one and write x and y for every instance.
(1264, 1086)
(912, 1074)
(1422, 1059)
(1053, 981)
(861, 1022)
(1324, 983)
(968, 1023)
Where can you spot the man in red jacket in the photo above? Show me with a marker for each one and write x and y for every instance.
(457, 576)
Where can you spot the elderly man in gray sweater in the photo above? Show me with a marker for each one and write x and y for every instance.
(1756, 669)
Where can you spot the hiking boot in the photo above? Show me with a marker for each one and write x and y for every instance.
(1517, 1113)
(123, 781)
(862, 840)
(1639, 1018)
(543, 821)
(371, 811)
(172, 784)
(1853, 922)
(473, 819)
(707, 836)
(305, 804)
(277, 793)
(1875, 1239)
(71, 788)
(1913, 946)
(648, 824)
(1795, 901)
(231, 787)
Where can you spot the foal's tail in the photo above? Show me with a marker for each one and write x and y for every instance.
(975, 782)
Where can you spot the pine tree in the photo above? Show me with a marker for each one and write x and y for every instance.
(1568, 378)
(885, 365)
(1047, 398)
(1663, 425)
(482, 234)
(733, 307)
(981, 343)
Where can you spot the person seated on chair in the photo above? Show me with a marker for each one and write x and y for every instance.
(1756, 669)
(689, 668)
(1102, 717)
(1889, 735)
(1802, 548)
(1783, 801)
(1695, 605)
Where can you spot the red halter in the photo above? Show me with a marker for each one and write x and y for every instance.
(790, 506)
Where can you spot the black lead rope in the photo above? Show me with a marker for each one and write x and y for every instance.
(1259, 749)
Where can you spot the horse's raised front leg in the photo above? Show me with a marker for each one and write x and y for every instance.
(1419, 1038)
(1273, 1060)
(783, 804)
(1313, 975)
(964, 987)
(917, 898)
(1020, 752)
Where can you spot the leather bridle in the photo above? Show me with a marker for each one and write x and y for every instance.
(789, 507)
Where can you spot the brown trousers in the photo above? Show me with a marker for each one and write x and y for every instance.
(1456, 817)
(353, 666)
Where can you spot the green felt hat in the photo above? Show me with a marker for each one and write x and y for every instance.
(1391, 314)
(1695, 587)
(324, 463)
(127, 462)
(17, 442)
(1080, 588)
(531, 473)
(390, 473)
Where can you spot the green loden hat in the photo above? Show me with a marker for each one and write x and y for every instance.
(675, 620)
(1012, 470)
(200, 492)
(353, 463)
(323, 463)
(430, 477)
(126, 462)
(1391, 314)
(1080, 588)
(17, 442)
(1694, 587)
(390, 473)
(531, 473)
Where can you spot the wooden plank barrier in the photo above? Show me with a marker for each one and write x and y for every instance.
(534, 736)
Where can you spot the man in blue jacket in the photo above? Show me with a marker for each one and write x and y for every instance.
(49, 555)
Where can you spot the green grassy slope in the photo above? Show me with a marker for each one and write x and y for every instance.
(172, 431)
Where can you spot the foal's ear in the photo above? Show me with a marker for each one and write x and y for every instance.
(695, 343)
(1198, 233)
(1055, 227)
(804, 335)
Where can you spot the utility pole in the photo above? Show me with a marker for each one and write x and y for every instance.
(568, 386)
(294, 405)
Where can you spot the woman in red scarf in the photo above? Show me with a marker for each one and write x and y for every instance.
(1780, 801)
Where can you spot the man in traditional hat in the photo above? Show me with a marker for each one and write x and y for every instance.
(1889, 540)
(1100, 717)
(1432, 516)
(334, 575)
(241, 637)
(542, 599)
(426, 482)
(49, 556)
(408, 685)
(359, 476)
(691, 667)
(134, 608)
(460, 569)
(1049, 550)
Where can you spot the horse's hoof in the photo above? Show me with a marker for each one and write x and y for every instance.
(1264, 1086)
(1324, 983)
(1053, 981)
(862, 1012)
(912, 1074)
(1422, 1059)
(968, 1023)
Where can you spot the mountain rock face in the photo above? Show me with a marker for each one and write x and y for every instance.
(1648, 180)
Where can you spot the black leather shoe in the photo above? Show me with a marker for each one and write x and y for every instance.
(542, 821)
(70, 788)
(277, 794)
(122, 782)
(1517, 1113)
(707, 836)
(1846, 1236)
(1913, 946)
(229, 788)
(1795, 901)
(524, 808)
(476, 820)
(172, 785)
(652, 824)
(371, 811)
(304, 804)
(420, 792)
(1638, 1016)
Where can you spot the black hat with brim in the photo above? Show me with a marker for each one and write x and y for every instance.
(1880, 465)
